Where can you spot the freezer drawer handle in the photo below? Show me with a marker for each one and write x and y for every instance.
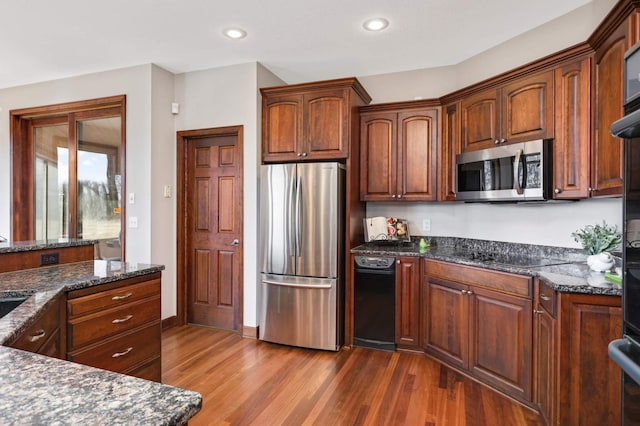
(321, 286)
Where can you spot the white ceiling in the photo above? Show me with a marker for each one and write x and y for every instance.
(297, 40)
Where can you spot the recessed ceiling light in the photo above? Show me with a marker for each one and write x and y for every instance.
(375, 24)
(235, 33)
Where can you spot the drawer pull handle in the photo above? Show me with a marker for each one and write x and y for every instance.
(121, 320)
(544, 297)
(124, 296)
(119, 354)
(39, 335)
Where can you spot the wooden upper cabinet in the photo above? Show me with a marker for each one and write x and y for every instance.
(399, 154)
(311, 121)
(378, 150)
(515, 112)
(572, 142)
(283, 130)
(449, 148)
(608, 90)
(480, 120)
(527, 109)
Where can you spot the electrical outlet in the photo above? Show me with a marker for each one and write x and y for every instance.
(426, 225)
(133, 221)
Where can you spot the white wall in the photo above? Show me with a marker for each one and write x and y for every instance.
(162, 216)
(133, 82)
(229, 96)
(548, 223)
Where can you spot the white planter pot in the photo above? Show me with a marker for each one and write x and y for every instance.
(601, 262)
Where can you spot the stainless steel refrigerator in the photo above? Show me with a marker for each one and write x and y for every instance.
(302, 234)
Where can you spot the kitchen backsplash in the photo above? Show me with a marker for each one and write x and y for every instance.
(549, 223)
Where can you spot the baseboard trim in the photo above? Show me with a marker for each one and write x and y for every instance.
(249, 332)
(169, 322)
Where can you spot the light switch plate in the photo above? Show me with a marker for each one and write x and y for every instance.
(132, 197)
(133, 221)
(167, 191)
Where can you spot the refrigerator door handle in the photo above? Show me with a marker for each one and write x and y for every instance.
(298, 224)
(319, 286)
(291, 242)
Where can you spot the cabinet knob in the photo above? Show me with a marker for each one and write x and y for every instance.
(503, 140)
(304, 154)
(398, 261)
(469, 292)
(393, 196)
(557, 191)
(399, 195)
(537, 311)
(497, 141)
(299, 154)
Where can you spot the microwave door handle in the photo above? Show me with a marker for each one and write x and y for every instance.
(517, 166)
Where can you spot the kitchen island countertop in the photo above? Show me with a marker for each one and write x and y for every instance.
(37, 389)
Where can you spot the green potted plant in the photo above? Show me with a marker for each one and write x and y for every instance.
(597, 241)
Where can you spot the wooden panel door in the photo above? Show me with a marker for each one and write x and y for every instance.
(527, 109)
(408, 302)
(282, 128)
(417, 155)
(606, 156)
(501, 340)
(480, 125)
(214, 200)
(571, 145)
(378, 152)
(325, 127)
(450, 147)
(446, 321)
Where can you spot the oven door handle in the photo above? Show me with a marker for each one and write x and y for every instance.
(375, 271)
(518, 164)
(618, 351)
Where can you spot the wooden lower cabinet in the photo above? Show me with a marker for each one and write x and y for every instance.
(575, 381)
(117, 327)
(589, 388)
(480, 321)
(45, 335)
(408, 302)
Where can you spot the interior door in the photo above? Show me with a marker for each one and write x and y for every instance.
(214, 230)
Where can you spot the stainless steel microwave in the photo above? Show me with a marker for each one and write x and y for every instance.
(514, 172)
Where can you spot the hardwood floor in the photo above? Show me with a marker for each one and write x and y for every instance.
(247, 382)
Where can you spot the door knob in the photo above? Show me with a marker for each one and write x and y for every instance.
(234, 242)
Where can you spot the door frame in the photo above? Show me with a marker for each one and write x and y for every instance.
(183, 137)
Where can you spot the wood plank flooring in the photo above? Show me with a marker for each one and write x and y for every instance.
(249, 382)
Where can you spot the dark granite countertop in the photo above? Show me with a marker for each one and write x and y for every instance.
(22, 246)
(564, 269)
(62, 392)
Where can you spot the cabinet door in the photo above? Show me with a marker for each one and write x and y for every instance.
(325, 128)
(591, 382)
(446, 323)
(378, 151)
(450, 148)
(571, 146)
(500, 340)
(417, 152)
(606, 157)
(408, 302)
(480, 120)
(527, 109)
(544, 363)
(282, 128)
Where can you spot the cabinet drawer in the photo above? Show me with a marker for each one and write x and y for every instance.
(90, 328)
(112, 298)
(40, 332)
(505, 282)
(547, 298)
(123, 352)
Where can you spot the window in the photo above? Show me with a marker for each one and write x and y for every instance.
(68, 173)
